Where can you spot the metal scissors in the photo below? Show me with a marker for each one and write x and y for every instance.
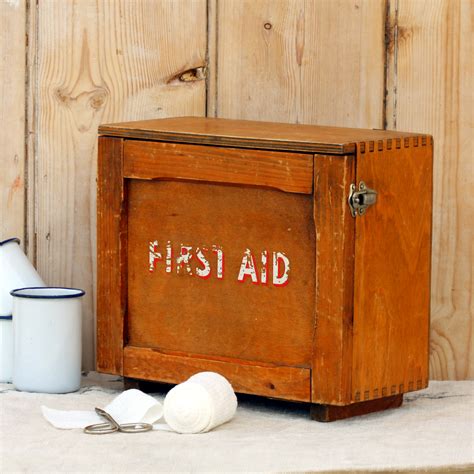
(112, 426)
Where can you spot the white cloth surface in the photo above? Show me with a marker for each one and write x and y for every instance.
(432, 430)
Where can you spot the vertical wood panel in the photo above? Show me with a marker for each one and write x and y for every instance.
(430, 91)
(303, 61)
(12, 118)
(30, 130)
(111, 256)
(98, 62)
(211, 76)
(332, 357)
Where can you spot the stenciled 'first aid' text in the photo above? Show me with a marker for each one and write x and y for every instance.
(205, 262)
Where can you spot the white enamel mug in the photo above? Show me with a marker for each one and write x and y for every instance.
(47, 339)
(6, 349)
(16, 271)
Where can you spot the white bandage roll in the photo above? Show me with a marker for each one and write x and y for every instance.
(204, 401)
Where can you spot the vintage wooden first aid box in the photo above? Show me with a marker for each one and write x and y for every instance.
(292, 259)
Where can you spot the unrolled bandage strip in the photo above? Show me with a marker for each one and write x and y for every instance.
(204, 401)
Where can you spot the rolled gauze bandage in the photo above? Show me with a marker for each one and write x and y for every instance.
(204, 401)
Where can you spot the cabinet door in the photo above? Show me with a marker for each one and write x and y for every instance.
(220, 265)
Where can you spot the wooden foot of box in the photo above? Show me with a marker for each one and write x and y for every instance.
(335, 412)
(318, 412)
(146, 386)
(129, 383)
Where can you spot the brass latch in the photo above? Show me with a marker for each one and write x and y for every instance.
(360, 200)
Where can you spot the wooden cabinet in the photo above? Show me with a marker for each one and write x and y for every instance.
(292, 259)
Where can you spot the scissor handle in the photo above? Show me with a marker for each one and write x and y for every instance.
(135, 427)
(113, 426)
(100, 428)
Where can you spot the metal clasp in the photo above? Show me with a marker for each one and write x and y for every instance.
(360, 200)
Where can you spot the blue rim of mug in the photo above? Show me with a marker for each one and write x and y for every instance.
(75, 293)
(7, 317)
(13, 239)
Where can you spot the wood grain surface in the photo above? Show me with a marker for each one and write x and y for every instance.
(428, 61)
(301, 61)
(313, 61)
(289, 172)
(176, 234)
(274, 381)
(249, 134)
(12, 119)
(430, 90)
(101, 61)
(332, 413)
(335, 234)
(111, 256)
(392, 271)
(249, 319)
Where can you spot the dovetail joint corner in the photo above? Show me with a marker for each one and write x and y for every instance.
(393, 143)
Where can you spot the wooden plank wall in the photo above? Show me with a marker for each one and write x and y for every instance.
(99, 62)
(12, 119)
(430, 89)
(399, 64)
(301, 61)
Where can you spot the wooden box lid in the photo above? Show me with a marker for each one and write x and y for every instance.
(251, 134)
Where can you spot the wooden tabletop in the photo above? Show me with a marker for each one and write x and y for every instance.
(250, 134)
